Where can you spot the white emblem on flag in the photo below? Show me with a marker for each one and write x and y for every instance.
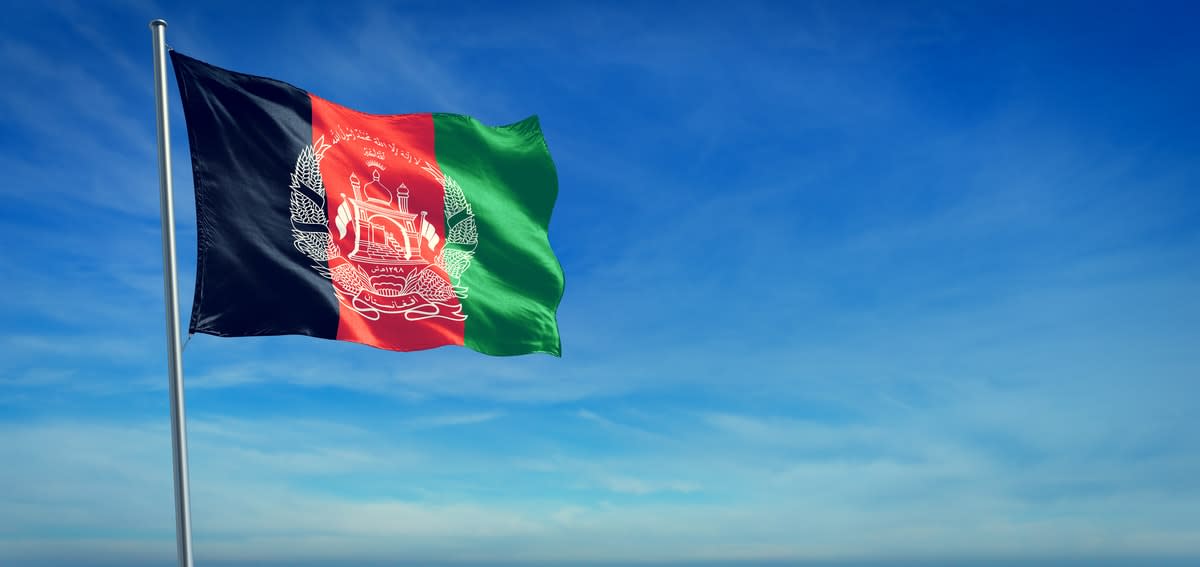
(398, 264)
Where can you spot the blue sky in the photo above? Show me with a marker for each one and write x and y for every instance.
(845, 282)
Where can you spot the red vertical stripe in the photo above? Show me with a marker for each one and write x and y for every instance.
(385, 298)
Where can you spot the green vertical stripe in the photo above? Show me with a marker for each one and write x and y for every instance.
(514, 283)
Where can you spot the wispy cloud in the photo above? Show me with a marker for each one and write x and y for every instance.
(451, 420)
(631, 485)
(250, 496)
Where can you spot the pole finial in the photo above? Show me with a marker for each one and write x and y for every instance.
(158, 23)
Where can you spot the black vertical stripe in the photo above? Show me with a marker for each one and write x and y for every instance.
(245, 134)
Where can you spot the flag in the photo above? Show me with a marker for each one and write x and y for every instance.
(402, 231)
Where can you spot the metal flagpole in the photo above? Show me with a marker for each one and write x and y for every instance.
(183, 516)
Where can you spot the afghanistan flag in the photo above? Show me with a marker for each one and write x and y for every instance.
(402, 231)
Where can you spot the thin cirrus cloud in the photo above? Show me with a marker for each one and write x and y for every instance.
(236, 494)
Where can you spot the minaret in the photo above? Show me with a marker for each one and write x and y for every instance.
(356, 185)
(402, 198)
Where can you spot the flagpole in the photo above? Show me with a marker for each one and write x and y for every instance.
(183, 517)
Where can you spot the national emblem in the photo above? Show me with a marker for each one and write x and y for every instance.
(397, 263)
